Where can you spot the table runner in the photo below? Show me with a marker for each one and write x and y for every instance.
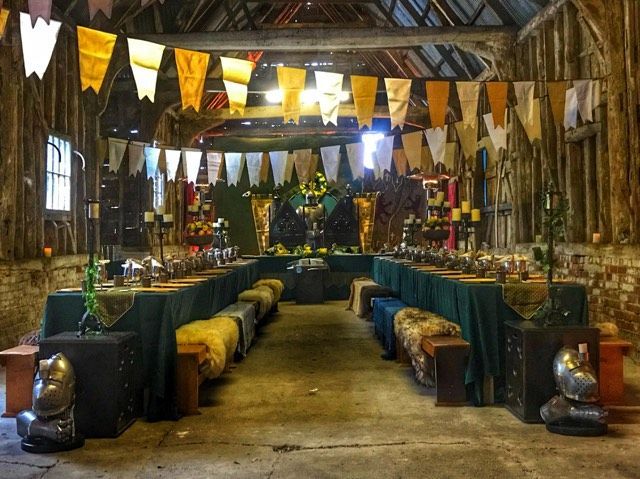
(112, 304)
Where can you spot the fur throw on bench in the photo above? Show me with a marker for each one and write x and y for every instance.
(276, 286)
(263, 295)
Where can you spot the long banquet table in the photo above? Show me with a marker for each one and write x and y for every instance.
(155, 317)
(479, 309)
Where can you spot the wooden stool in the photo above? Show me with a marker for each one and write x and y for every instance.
(611, 377)
(21, 366)
(189, 378)
(447, 363)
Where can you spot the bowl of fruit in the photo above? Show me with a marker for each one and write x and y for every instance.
(199, 233)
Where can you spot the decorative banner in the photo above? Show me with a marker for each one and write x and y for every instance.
(291, 84)
(254, 162)
(236, 74)
(469, 94)
(260, 210)
(278, 165)
(364, 91)
(570, 109)
(191, 158)
(400, 160)
(438, 100)
(398, 91)
(39, 9)
(145, 58)
(557, 91)
(136, 157)
(151, 158)
(4, 17)
(192, 72)
(105, 6)
(94, 53)
(366, 219)
(384, 154)
(329, 86)
(584, 95)
(355, 154)
(302, 161)
(288, 169)
(116, 153)
(437, 140)
(497, 133)
(412, 143)
(497, 94)
(172, 158)
(214, 161)
(524, 95)
(450, 150)
(331, 162)
(235, 164)
(38, 43)
(468, 136)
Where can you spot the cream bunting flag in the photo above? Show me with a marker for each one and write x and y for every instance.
(468, 136)
(438, 100)
(38, 43)
(329, 86)
(384, 154)
(136, 157)
(4, 17)
(39, 9)
(235, 164)
(191, 158)
(557, 91)
(172, 158)
(412, 143)
(151, 158)
(570, 109)
(398, 91)
(254, 162)
(288, 169)
(145, 58)
(450, 150)
(291, 84)
(400, 161)
(364, 89)
(331, 161)
(498, 134)
(437, 140)
(426, 160)
(192, 73)
(117, 148)
(497, 94)
(524, 96)
(264, 168)
(278, 165)
(355, 154)
(104, 6)
(469, 94)
(584, 97)
(94, 54)
(534, 129)
(214, 161)
(236, 74)
(302, 162)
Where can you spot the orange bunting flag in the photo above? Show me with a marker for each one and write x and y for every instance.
(412, 144)
(236, 74)
(95, 49)
(438, 100)
(364, 98)
(192, 72)
(398, 91)
(291, 84)
(4, 16)
(556, 90)
(497, 94)
(400, 161)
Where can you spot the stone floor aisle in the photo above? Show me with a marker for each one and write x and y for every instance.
(313, 399)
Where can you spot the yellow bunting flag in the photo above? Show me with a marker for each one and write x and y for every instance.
(426, 160)
(192, 73)
(329, 86)
(4, 16)
(236, 74)
(468, 136)
(556, 90)
(412, 143)
(497, 94)
(450, 151)
(524, 95)
(291, 84)
(145, 58)
(469, 94)
(364, 98)
(95, 49)
(438, 100)
(400, 160)
(398, 91)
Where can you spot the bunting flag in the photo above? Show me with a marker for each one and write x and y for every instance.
(438, 100)
(313, 166)
(400, 161)
(331, 162)
(116, 153)
(498, 134)
(264, 168)
(236, 74)
(412, 143)
(570, 109)
(278, 165)
(450, 150)
(329, 86)
(302, 161)
(364, 91)
(39, 9)
(192, 73)
(288, 168)
(191, 158)
(104, 6)
(524, 96)
(469, 94)
(136, 157)
(151, 158)
(214, 161)
(291, 84)
(437, 140)
(4, 17)
(556, 91)
(584, 97)
(426, 160)
(94, 54)
(235, 164)
(468, 136)
(384, 154)
(497, 94)
(254, 162)
(355, 154)
(492, 154)
(172, 158)
(145, 58)
(398, 91)
(534, 129)
(38, 43)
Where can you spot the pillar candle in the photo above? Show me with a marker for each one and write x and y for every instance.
(220, 220)
(226, 223)
(475, 214)
(149, 216)
(418, 221)
(168, 218)
(447, 204)
(412, 217)
(439, 197)
(160, 210)
(596, 237)
(206, 207)
(94, 211)
(456, 214)
(431, 202)
(47, 251)
(538, 238)
(466, 207)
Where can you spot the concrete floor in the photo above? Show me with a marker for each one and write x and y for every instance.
(313, 399)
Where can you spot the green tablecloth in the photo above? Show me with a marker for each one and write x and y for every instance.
(479, 309)
(155, 317)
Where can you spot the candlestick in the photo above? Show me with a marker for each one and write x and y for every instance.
(456, 214)
(47, 251)
(149, 216)
(475, 215)
(466, 207)
(596, 237)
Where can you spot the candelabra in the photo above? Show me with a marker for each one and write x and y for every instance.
(158, 225)
(411, 226)
(464, 224)
(221, 231)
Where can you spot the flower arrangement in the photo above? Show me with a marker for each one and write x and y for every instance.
(318, 185)
(199, 228)
(277, 249)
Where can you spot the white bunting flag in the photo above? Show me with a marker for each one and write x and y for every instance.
(191, 158)
(468, 136)
(214, 161)
(278, 161)
(136, 157)
(570, 109)
(437, 141)
(498, 134)
(412, 143)
(151, 158)
(329, 86)
(117, 148)
(172, 158)
(524, 96)
(145, 58)
(235, 164)
(331, 161)
(355, 154)
(384, 155)
(302, 162)
(254, 162)
(469, 93)
(584, 97)
(398, 92)
(38, 43)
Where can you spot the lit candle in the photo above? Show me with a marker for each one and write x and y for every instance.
(439, 197)
(431, 202)
(466, 207)
(406, 221)
(220, 220)
(149, 216)
(475, 215)
(412, 217)
(596, 237)
(167, 218)
(418, 221)
(226, 223)
(456, 214)
(94, 210)
(47, 251)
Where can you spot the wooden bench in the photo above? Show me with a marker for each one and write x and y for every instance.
(611, 377)
(21, 365)
(447, 362)
(189, 378)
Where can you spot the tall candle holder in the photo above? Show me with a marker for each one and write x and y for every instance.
(158, 225)
(89, 321)
(411, 226)
(464, 226)
(221, 232)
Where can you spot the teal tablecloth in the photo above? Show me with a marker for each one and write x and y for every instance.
(479, 310)
(155, 317)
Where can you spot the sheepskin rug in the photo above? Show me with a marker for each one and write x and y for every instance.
(276, 286)
(200, 332)
(608, 329)
(227, 328)
(263, 295)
